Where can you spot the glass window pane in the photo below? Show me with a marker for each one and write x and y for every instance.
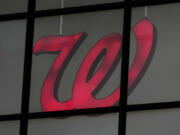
(47, 4)
(13, 6)
(155, 75)
(106, 124)
(9, 128)
(12, 45)
(96, 25)
(161, 122)
(54, 4)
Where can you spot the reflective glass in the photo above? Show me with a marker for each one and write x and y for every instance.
(104, 124)
(13, 6)
(9, 128)
(154, 74)
(12, 47)
(90, 27)
(160, 122)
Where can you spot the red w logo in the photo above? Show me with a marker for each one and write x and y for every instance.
(86, 80)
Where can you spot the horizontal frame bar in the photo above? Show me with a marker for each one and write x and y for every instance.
(73, 112)
(154, 106)
(10, 117)
(82, 9)
(130, 108)
(137, 3)
(15, 16)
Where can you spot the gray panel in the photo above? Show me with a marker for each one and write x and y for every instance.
(47, 4)
(161, 122)
(106, 124)
(9, 128)
(96, 25)
(161, 80)
(13, 6)
(12, 45)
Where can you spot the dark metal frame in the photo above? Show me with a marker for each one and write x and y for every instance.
(30, 16)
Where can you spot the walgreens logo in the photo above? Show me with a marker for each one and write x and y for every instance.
(86, 80)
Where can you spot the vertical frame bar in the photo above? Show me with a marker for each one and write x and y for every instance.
(27, 68)
(125, 68)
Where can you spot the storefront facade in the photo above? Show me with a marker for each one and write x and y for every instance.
(102, 67)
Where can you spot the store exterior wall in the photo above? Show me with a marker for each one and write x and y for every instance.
(99, 67)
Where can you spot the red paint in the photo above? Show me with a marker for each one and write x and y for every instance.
(83, 88)
(144, 33)
(63, 45)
